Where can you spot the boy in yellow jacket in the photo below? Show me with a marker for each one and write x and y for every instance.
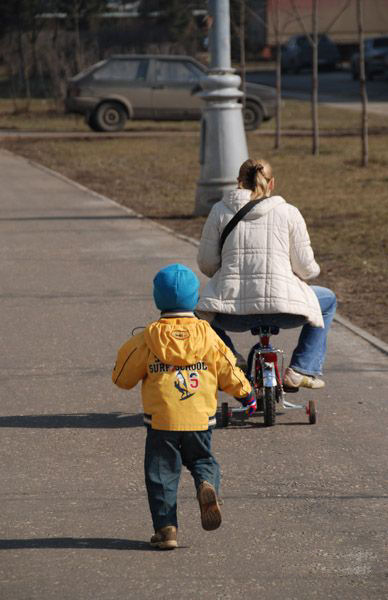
(181, 363)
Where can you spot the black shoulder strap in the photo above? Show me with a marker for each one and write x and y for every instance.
(240, 214)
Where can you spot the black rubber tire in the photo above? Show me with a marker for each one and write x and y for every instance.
(312, 412)
(110, 116)
(253, 116)
(224, 414)
(258, 383)
(260, 405)
(92, 123)
(269, 406)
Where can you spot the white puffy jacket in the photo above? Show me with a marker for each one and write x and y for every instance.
(264, 260)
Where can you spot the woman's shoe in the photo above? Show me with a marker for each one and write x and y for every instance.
(294, 380)
(165, 538)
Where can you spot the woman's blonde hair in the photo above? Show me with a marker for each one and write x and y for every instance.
(256, 175)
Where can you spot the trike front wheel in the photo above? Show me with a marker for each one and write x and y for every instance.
(269, 406)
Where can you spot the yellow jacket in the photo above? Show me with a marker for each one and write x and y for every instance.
(182, 363)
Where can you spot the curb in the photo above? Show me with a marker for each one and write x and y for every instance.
(374, 341)
(31, 136)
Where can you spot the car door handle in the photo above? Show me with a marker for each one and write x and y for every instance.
(158, 86)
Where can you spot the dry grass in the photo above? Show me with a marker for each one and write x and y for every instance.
(345, 206)
(42, 115)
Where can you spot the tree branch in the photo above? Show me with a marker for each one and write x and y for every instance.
(301, 23)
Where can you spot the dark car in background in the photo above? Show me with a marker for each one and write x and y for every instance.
(376, 58)
(152, 87)
(297, 54)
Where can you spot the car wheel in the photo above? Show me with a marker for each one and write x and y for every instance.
(110, 116)
(253, 116)
(92, 122)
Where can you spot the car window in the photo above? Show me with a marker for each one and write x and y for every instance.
(128, 70)
(176, 71)
(323, 40)
(88, 70)
(303, 42)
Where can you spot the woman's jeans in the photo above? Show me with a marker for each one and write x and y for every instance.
(309, 355)
(165, 453)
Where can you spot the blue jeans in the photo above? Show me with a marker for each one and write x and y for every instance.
(309, 354)
(165, 453)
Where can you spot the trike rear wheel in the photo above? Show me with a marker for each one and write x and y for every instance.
(224, 414)
(312, 411)
(269, 406)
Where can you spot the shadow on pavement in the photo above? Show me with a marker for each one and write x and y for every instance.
(91, 543)
(88, 420)
(311, 497)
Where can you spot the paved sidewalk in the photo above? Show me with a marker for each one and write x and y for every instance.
(305, 510)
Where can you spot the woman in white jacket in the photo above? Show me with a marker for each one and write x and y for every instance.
(258, 278)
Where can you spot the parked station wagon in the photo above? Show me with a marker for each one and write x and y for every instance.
(297, 54)
(156, 87)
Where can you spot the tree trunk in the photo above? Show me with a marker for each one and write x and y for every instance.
(278, 77)
(76, 17)
(363, 91)
(242, 48)
(314, 91)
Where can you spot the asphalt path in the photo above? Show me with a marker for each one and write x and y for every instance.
(305, 507)
(335, 87)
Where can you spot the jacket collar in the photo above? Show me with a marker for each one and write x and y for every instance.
(173, 314)
(235, 199)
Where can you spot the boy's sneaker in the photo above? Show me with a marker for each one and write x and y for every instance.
(210, 508)
(294, 380)
(165, 538)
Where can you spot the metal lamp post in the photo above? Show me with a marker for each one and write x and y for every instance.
(223, 145)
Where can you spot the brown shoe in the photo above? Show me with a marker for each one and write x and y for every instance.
(165, 538)
(210, 508)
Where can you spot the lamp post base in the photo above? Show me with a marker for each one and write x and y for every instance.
(210, 192)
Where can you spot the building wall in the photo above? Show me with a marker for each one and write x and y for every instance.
(338, 18)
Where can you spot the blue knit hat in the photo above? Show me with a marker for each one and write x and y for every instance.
(176, 287)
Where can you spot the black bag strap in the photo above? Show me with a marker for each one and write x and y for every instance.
(240, 214)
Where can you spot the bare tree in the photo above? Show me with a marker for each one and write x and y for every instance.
(276, 26)
(313, 39)
(278, 76)
(363, 92)
(279, 30)
(314, 90)
(242, 48)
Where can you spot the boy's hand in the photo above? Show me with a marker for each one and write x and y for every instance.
(250, 403)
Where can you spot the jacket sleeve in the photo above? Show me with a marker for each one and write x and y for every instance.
(301, 253)
(230, 378)
(131, 363)
(209, 257)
